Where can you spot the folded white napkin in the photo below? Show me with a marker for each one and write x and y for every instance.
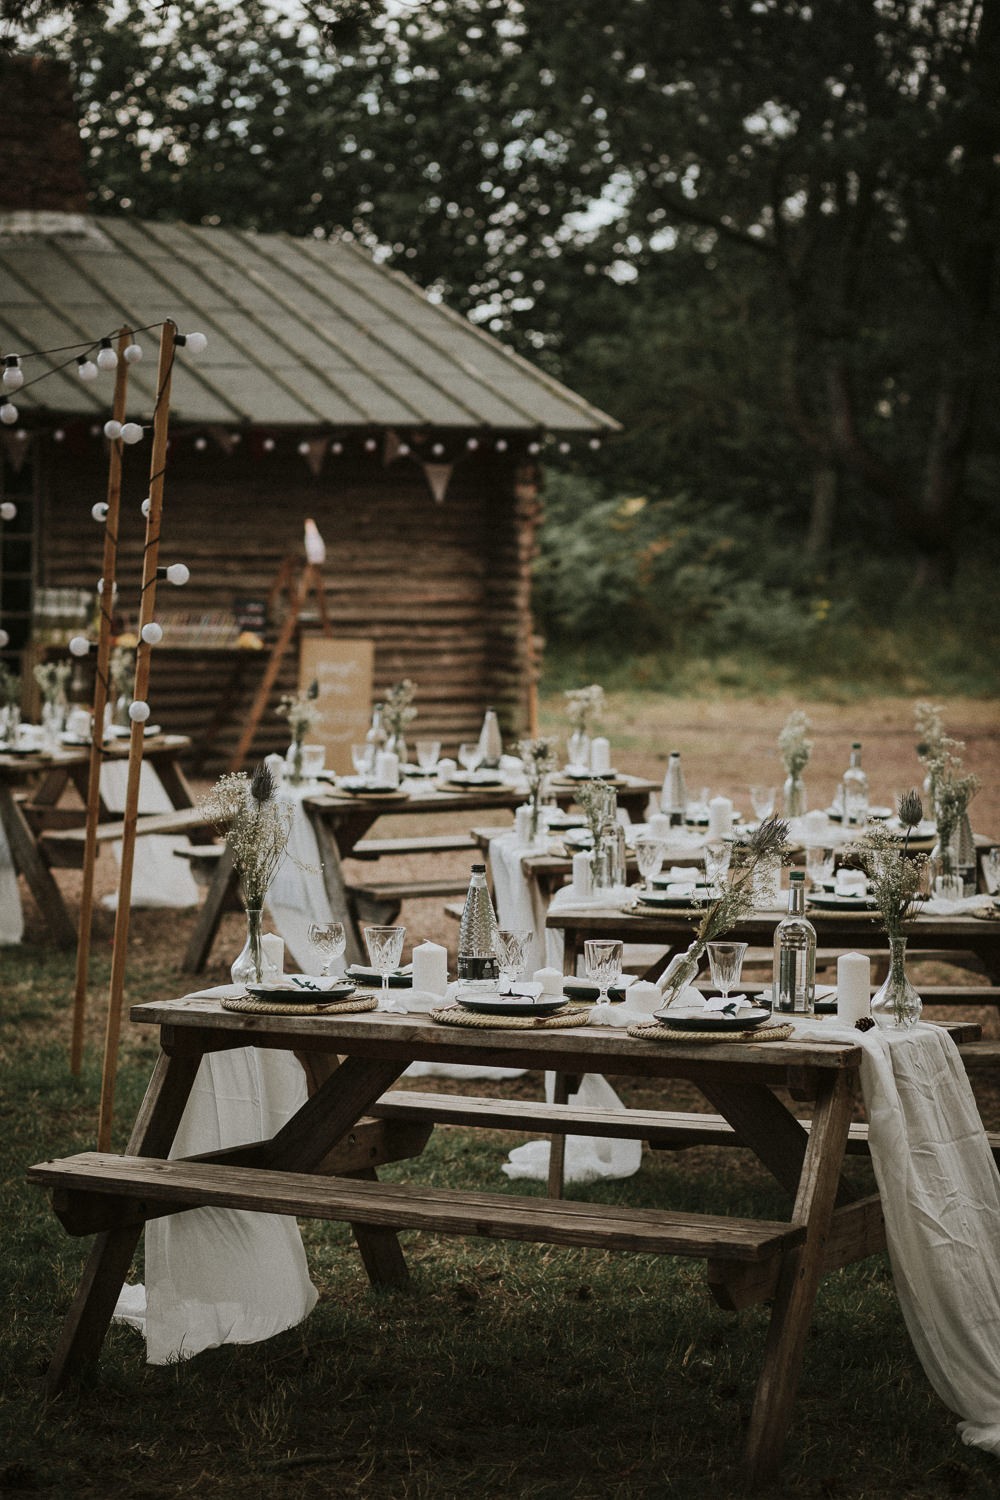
(298, 983)
(967, 906)
(527, 987)
(365, 971)
(735, 1002)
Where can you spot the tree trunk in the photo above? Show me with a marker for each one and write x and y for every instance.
(823, 512)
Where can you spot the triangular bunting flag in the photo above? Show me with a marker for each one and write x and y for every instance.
(390, 446)
(226, 440)
(438, 479)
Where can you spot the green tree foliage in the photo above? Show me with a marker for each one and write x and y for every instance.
(763, 233)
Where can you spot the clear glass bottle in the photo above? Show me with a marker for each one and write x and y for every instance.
(673, 797)
(855, 790)
(490, 742)
(376, 736)
(795, 954)
(477, 933)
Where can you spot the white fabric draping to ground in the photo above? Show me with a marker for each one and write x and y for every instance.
(224, 1276)
(159, 878)
(11, 912)
(940, 1193)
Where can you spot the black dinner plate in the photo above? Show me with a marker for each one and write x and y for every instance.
(398, 980)
(295, 995)
(685, 1019)
(512, 1005)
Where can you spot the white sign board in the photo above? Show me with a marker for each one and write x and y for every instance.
(343, 670)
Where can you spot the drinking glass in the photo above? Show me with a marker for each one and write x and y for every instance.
(330, 940)
(469, 755)
(512, 950)
(313, 759)
(603, 961)
(649, 858)
(762, 801)
(819, 865)
(428, 754)
(726, 963)
(718, 858)
(385, 949)
(363, 759)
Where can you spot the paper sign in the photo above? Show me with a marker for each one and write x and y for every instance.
(343, 669)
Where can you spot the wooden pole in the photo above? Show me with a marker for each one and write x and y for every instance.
(107, 597)
(147, 604)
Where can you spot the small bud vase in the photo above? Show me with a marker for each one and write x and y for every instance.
(248, 966)
(896, 1004)
(794, 797)
(681, 971)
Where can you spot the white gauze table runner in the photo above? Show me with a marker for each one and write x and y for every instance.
(940, 1192)
(218, 1275)
(159, 878)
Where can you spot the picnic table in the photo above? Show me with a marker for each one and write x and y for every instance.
(43, 833)
(322, 1164)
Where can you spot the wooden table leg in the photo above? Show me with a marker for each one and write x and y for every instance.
(565, 1084)
(798, 1280)
(108, 1263)
(27, 859)
(201, 940)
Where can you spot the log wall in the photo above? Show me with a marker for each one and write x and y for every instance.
(442, 589)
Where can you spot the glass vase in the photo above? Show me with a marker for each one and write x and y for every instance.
(896, 1004)
(578, 746)
(794, 795)
(681, 971)
(248, 966)
(53, 723)
(293, 763)
(396, 743)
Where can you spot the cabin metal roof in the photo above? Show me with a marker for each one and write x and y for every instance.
(301, 333)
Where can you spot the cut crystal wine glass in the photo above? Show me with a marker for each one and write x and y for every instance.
(726, 963)
(649, 857)
(385, 949)
(603, 961)
(330, 940)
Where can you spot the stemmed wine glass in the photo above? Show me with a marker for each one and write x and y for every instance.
(603, 961)
(512, 950)
(385, 949)
(762, 801)
(649, 857)
(469, 755)
(726, 962)
(820, 864)
(718, 858)
(330, 940)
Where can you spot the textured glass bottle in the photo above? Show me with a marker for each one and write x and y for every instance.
(855, 790)
(477, 958)
(795, 954)
(673, 797)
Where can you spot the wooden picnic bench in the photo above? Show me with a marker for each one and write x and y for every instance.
(320, 1164)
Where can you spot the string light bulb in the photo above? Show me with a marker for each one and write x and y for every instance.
(8, 413)
(534, 447)
(146, 506)
(303, 449)
(268, 445)
(370, 445)
(4, 639)
(177, 574)
(138, 711)
(501, 445)
(564, 447)
(403, 451)
(472, 444)
(85, 368)
(594, 444)
(194, 343)
(152, 633)
(8, 510)
(131, 432)
(133, 353)
(107, 359)
(337, 448)
(100, 511)
(113, 430)
(79, 645)
(438, 449)
(13, 375)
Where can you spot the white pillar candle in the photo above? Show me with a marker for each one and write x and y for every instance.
(272, 952)
(600, 756)
(582, 875)
(851, 883)
(643, 997)
(854, 973)
(386, 768)
(522, 826)
(720, 818)
(430, 968)
(659, 827)
(550, 980)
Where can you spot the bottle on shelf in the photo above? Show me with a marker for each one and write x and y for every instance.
(490, 742)
(854, 787)
(673, 796)
(477, 933)
(794, 988)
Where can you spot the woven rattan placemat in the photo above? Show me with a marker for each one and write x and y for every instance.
(454, 1015)
(247, 1006)
(658, 1033)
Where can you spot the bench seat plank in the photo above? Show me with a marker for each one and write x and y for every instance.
(187, 1184)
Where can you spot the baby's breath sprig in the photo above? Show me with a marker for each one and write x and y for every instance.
(583, 705)
(793, 743)
(302, 711)
(895, 874)
(52, 677)
(398, 710)
(769, 840)
(256, 825)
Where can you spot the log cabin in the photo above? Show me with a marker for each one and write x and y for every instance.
(331, 388)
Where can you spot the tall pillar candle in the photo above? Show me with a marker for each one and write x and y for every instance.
(720, 818)
(387, 768)
(582, 875)
(272, 952)
(600, 756)
(430, 968)
(854, 973)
